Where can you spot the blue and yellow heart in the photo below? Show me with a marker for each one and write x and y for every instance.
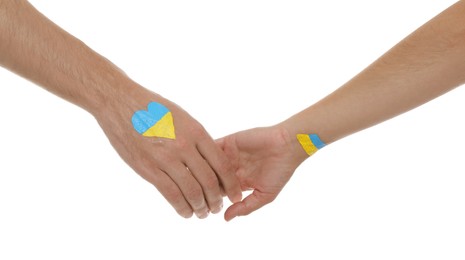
(157, 121)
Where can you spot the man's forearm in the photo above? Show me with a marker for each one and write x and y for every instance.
(37, 49)
(186, 166)
(426, 64)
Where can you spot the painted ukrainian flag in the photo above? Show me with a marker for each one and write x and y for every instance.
(311, 143)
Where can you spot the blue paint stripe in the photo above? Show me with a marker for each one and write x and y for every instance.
(316, 141)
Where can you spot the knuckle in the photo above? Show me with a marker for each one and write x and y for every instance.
(143, 161)
(225, 166)
(165, 157)
(174, 196)
(195, 195)
(211, 183)
(269, 199)
(198, 131)
(182, 143)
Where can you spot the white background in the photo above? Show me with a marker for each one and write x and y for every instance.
(393, 191)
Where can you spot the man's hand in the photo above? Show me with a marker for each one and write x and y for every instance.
(190, 171)
(264, 160)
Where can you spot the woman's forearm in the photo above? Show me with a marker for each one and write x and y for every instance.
(426, 64)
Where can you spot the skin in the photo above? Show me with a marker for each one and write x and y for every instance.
(191, 172)
(426, 64)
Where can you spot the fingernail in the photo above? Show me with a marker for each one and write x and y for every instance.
(218, 209)
(203, 215)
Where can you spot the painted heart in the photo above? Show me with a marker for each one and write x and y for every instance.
(157, 121)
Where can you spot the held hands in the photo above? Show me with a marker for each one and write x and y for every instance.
(190, 171)
(264, 160)
(193, 172)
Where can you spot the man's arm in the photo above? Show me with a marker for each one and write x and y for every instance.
(426, 64)
(187, 168)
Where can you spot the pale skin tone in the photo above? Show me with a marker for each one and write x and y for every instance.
(191, 172)
(426, 64)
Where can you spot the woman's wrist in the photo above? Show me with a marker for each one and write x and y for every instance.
(289, 134)
(304, 135)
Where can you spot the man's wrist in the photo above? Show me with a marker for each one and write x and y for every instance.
(121, 97)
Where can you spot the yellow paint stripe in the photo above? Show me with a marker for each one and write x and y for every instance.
(307, 144)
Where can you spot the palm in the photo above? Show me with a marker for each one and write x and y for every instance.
(264, 162)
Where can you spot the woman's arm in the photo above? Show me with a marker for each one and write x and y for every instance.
(426, 64)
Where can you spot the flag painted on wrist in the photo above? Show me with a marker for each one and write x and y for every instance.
(310, 142)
